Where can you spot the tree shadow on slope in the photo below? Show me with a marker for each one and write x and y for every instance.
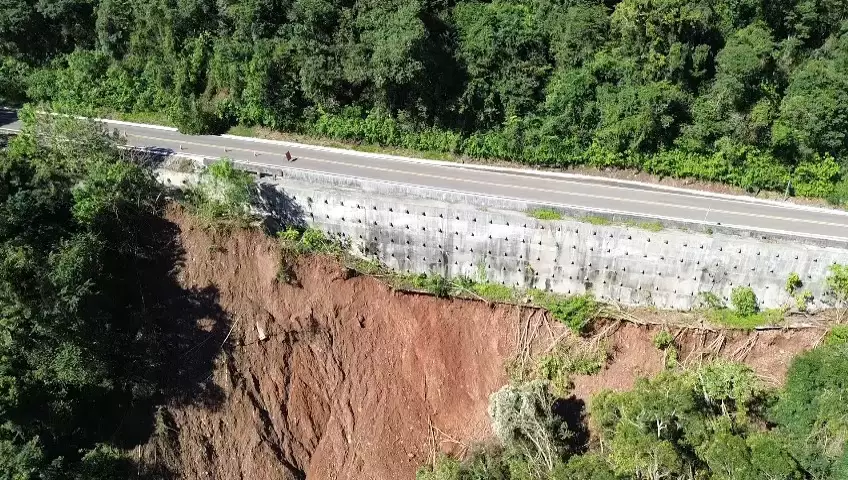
(188, 332)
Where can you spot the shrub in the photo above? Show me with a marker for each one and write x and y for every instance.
(793, 282)
(523, 420)
(310, 240)
(576, 312)
(816, 178)
(744, 301)
(572, 357)
(435, 284)
(196, 117)
(838, 195)
(837, 282)
(710, 300)
(663, 340)
(802, 299)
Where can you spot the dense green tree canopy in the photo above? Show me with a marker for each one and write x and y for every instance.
(622, 83)
(78, 351)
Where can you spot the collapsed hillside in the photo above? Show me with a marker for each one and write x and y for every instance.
(337, 376)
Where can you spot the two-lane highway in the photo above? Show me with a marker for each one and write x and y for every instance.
(589, 193)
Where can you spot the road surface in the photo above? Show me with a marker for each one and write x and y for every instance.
(589, 193)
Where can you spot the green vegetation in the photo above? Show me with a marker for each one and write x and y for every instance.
(596, 220)
(838, 335)
(733, 319)
(793, 283)
(548, 214)
(744, 301)
(649, 226)
(82, 353)
(664, 341)
(577, 312)
(747, 94)
(309, 240)
(802, 299)
(837, 282)
(222, 195)
(570, 356)
(495, 292)
(745, 314)
(714, 422)
(545, 214)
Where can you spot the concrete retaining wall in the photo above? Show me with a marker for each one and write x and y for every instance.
(491, 239)
(667, 269)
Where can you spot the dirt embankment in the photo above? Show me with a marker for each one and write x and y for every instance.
(353, 380)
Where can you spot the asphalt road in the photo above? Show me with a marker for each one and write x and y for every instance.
(591, 194)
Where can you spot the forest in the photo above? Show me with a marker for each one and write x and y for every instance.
(749, 93)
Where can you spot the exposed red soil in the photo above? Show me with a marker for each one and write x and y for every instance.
(355, 380)
(768, 353)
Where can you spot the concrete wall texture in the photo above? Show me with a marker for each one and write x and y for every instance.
(493, 240)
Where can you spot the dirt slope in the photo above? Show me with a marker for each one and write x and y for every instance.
(352, 379)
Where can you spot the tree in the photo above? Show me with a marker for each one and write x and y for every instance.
(522, 419)
(740, 102)
(640, 118)
(813, 112)
(78, 350)
(503, 51)
(812, 412)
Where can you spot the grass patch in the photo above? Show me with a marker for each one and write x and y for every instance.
(733, 319)
(434, 284)
(577, 312)
(309, 240)
(595, 220)
(746, 315)
(545, 214)
(295, 242)
(494, 292)
(649, 226)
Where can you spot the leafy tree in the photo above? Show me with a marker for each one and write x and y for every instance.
(503, 50)
(76, 352)
(812, 413)
(640, 118)
(740, 102)
(813, 112)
